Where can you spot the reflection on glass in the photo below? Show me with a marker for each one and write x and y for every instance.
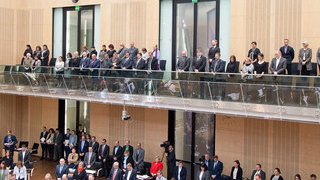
(183, 135)
(72, 31)
(84, 121)
(206, 28)
(184, 28)
(70, 114)
(86, 28)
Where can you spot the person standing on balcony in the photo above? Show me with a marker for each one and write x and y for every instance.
(152, 62)
(278, 64)
(183, 63)
(305, 56)
(199, 63)
(28, 50)
(59, 68)
(133, 51)
(253, 52)
(144, 54)
(45, 57)
(111, 50)
(156, 54)
(260, 67)
(212, 52)
(103, 52)
(287, 53)
(27, 63)
(93, 51)
(75, 62)
(37, 52)
(84, 64)
(122, 51)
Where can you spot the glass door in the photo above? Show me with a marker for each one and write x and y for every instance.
(194, 27)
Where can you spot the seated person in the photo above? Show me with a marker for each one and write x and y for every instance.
(61, 169)
(20, 171)
(80, 172)
(130, 173)
(8, 160)
(155, 167)
(64, 177)
(91, 177)
(73, 158)
(160, 176)
(24, 156)
(90, 159)
(48, 176)
(126, 160)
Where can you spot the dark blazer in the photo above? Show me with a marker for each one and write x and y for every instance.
(232, 67)
(133, 175)
(81, 176)
(199, 64)
(85, 147)
(152, 64)
(26, 157)
(127, 63)
(212, 52)
(105, 153)
(281, 67)
(44, 136)
(92, 160)
(262, 173)
(183, 63)
(205, 176)
(75, 62)
(58, 138)
(139, 65)
(45, 60)
(183, 173)
(130, 150)
(133, 51)
(94, 65)
(84, 63)
(95, 146)
(217, 170)
(118, 176)
(13, 139)
(239, 173)
(289, 55)
(93, 52)
(209, 164)
(280, 177)
(57, 173)
(119, 153)
(220, 67)
(256, 51)
(118, 62)
(129, 160)
(8, 162)
(308, 59)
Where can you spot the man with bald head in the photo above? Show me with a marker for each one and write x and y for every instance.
(278, 64)
(183, 63)
(133, 51)
(84, 64)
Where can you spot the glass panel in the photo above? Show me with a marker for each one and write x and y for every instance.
(184, 28)
(72, 31)
(70, 114)
(206, 27)
(86, 28)
(84, 121)
(183, 135)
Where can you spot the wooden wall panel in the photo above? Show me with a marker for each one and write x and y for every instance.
(6, 35)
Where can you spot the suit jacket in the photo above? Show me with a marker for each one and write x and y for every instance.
(183, 173)
(205, 176)
(239, 173)
(80, 176)
(199, 63)
(280, 177)
(26, 159)
(95, 147)
(183, 63)
(152, 64)
(118, 62)
(92, 160)
(130, 149)
(84, 63)
(133, 175)
(212, 52)
(281, 69)
(138, 157)
(73, 158)
(308, 58)
(75, 62)
(58, 138)
(105, 153)
(133, 51)
(85, 147)
(119, 153)
(94, 64)
(209, 164)
(122, 52)
(220, 67)
(255, 52)
(118, 175)
(171, 159)
(64, 170)
(129, 160)
(139, 64)
(216, 170)
(262, 173)
(13, 139)
(44, 136)
(289, 55)
(93, 52)
(45, 60)
(127, 63)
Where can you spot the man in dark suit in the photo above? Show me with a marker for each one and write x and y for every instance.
(207, 161)
(58, 145)
(117, 152)
(183, 63)
(180, 172)
(127, 62)
(94, 144)
(61, 169)
(199, 63)
(84, 64)
(104, 156)
(133, 51)
(213, 51)
(66, 138)
(94, 65)
(171, 161)
(115, 173)
(152, 62)
(287, 53)
(138, 158)
(218, 65)
(278, 64)
(253, 52)
(75, 63)
(139, 63)
(24, 156)
(216, 168)
(83, 147)
(43, 137)
(258, 171)
(130, 173)
(10, 142)
(90, 159)
(128, 147)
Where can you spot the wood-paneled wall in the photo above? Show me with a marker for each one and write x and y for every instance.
(292, 147)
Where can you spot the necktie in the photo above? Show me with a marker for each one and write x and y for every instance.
(285, 49)
(114, 174)
(102, 150)
(92, 64)
(89, 158)
(215, 66)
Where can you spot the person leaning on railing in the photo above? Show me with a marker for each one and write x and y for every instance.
(305, 56)
(27, 63)
(260, 67)
(247, 68)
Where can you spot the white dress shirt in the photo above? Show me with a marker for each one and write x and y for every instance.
(201, 174)
(234, 173)
(179, 171)
(23, 155)
(20, 173)
(277, 63)
(129, 174)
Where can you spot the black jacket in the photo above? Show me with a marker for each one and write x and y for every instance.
(119, 153)
(139, 64)
(80, 176)
(239, 173)
(199, 64)
(105, 153)
(289, 55)
(183, 173)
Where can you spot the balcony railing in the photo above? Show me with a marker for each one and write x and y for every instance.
(277, 97)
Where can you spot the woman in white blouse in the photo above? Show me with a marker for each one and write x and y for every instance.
(236, 171)
(203, 174)
(20, 171)
(59, 68)
(144, 54)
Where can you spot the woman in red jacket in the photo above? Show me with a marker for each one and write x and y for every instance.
(156, 166)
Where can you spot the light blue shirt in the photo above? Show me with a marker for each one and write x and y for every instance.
(125, 162)
(73, 140)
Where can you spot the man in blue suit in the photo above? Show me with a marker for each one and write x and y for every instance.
(10, 142)
(216, 168)
(61, 169)
(218, 65)
(130, 174)
(94, 71)
(83, 147)
(84, 64)
(127, 62)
